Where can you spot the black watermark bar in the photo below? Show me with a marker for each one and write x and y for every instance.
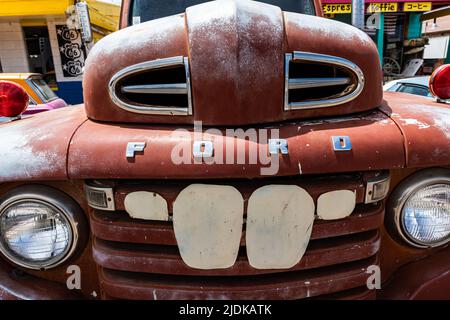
(163, 310)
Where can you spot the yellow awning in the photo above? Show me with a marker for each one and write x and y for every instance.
(26, 8)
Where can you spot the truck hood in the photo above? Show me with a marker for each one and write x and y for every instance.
(410, 131)
(236, 53)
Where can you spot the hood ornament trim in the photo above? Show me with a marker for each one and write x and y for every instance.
(304, 83)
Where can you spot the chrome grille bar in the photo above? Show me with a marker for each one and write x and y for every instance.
(348, 94)
(170, 88)
(150, 107)
(304, 83)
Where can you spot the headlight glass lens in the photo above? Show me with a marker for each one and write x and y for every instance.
(426, 215)
(34, 234)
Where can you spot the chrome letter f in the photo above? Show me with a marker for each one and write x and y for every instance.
(133, 147)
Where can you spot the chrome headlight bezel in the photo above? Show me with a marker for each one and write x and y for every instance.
(69, 211)
(403, 192)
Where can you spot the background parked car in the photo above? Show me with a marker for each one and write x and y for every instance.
(42, 98)
(416, 85)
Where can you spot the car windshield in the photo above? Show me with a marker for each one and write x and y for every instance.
(42, 89)
(414, 89)
(145, 10)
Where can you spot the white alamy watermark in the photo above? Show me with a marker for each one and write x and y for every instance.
(374, 280)
(252, 146)
(74, 279)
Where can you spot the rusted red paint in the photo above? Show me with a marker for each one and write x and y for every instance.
(425, 126)
(121, 228)
(35, 148)
(428, 278)
(147, 41)
(406, 132)
(236, 55)
(20, 286)
(297, 285)
(236, 90)
(160, 260)
(362, 293)
(334, 38)
(310, 150)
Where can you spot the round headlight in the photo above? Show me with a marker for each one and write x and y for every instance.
(426, 215)
(421, 206)
(37, 227)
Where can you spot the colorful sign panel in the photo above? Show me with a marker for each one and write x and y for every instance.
(72, 51)
(417, 6)
(337, 8)
(379, 1)
(382, 7)
(346, 8)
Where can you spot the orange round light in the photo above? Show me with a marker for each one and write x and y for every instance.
(440, 82)
(13, 99)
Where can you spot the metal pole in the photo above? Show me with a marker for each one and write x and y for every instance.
(380, 37)
(358, 13)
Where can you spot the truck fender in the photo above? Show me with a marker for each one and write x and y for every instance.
(425, 126)
(36, 147)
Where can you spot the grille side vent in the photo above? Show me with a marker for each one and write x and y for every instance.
(316, 81)
(154, 87)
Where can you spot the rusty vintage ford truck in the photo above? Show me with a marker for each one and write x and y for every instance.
(235, 150)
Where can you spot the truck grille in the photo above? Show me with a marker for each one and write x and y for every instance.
(316, 80)
(139, 259)
(154, 87)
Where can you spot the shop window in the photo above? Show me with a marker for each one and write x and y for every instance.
(39, 50)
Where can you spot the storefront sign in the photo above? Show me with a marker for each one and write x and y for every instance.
(383, 7)
(337, 8)
(417, 6)
(72, 51)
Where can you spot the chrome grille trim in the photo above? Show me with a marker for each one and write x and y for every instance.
(304, 83)
(172, 88)
(175, 88)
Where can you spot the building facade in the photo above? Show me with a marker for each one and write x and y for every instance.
(35, 37)
(436, 27)
(397, 30)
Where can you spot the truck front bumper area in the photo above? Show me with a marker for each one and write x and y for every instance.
(15, 285)
(428, 278)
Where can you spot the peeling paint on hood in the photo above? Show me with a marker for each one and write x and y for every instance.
(425, 126)
(36, 147)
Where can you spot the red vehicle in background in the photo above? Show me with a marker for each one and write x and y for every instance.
(41, 96)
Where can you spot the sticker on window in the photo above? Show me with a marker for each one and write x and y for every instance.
(136, 20)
